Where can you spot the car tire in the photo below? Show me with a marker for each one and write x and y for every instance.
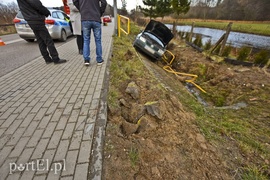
(63, 36)
(29, 40)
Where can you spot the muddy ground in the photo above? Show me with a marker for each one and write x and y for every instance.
(154, 136)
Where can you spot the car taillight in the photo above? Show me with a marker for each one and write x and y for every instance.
(49, 21)
(15, 20)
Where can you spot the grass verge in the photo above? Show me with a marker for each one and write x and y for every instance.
(245, 130)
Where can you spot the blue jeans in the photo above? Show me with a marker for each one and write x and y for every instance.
(86, 27)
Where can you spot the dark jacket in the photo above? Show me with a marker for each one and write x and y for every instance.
(91, 10)
(33, 11)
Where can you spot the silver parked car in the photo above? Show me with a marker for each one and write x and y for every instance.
(57, 24)
(154, 39)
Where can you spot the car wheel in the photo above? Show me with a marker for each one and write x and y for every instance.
(63, 36)
(30, 40)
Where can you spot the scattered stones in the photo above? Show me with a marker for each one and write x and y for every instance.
(129, 128)
(133, 90)
(153, 108)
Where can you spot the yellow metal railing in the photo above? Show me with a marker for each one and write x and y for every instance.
(122, 20)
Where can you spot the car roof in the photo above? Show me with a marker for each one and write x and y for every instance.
(160, 30)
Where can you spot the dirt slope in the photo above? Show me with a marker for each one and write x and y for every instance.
(166, 143)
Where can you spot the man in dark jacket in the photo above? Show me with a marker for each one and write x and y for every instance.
(91, 12)
(34, 13)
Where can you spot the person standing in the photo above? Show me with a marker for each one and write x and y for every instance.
(75, 18)
(34, 13)
(91, 12)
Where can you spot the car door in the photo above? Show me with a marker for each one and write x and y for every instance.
(63, 20)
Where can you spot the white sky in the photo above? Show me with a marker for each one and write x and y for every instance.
(131, 4)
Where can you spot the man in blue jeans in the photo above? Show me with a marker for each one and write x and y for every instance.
(91, 12)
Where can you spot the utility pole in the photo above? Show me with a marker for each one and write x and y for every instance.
(115, 16)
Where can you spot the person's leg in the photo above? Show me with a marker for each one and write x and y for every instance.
(45, 42)
(86, 40)
(97, 35)
(79, 43)
(44, 33)
(41, 43)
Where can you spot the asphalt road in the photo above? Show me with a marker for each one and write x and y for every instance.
(18, 52)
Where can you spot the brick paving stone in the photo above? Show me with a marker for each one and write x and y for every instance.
(57, 114)
(81, 171)
(71, 163)
(25, 157)
(49, 130)
(40, 114)
(88, 132)
(85, 151)
(31, 128)
(81, 123)
(76, 140)
(68, 109)
(55, 139)
(16, 136)
(19, 147)
(44, 122)
(62, 123)
(24, 113)
(74, 116)
(40, 149)
(15, 176)
(6, 115)
(68, 131)
(20, 108)
(61, 150)
(13, 127)
(35, 138)
(4, 153)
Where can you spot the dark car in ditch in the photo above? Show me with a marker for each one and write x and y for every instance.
(154, 39)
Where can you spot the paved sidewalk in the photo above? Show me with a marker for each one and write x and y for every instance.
(52, 117)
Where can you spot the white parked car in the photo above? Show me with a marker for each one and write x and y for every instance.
(57, 24)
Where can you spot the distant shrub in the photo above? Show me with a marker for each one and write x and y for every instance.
(208, 45)
(261, 58)
(226, 52)
(243, 53)
(181, 34)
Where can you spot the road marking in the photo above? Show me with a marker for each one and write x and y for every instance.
(13, 41)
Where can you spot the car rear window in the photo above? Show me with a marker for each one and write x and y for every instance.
(19, 15)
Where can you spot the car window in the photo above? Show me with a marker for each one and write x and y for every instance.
(60, 15)
(19, 15)
(54, 15)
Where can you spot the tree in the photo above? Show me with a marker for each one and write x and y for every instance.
(180, 6)
(150, 11)
(156, 8)
(163, 8)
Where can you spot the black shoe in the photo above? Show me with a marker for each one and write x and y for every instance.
(86, 63)
(60, 61)
(48, 62)
(100, 63)
(80, 51)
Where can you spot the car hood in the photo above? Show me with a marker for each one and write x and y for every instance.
(161, 31)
